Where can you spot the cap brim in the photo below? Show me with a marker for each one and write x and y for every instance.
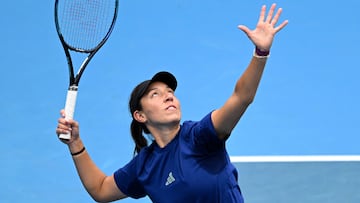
(166, 78)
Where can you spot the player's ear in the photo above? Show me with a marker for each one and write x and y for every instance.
(139, 116)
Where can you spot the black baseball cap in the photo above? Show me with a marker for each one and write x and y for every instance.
(140, 90)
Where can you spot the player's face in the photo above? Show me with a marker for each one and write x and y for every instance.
(160, 106)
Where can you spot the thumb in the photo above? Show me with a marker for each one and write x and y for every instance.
(245, 29)
(62, 113)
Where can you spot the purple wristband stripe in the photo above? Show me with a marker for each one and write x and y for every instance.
(261, 53)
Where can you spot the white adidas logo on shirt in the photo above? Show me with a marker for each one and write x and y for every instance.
(170, 179)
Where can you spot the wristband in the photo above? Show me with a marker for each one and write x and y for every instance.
(79, 152)
(261, 54)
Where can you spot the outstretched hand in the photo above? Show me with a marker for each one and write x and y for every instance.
(266, 28)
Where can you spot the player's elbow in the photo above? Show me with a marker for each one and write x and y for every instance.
(106, 194)
(100, 199)
(96, 198)
(245, 96)
(248, 101)
(245, 100)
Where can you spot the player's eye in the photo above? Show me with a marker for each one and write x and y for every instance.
(170, 91)
(154, 94)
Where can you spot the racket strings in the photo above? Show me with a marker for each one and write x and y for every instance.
(85, 23)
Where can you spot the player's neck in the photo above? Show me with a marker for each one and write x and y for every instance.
(163, 136)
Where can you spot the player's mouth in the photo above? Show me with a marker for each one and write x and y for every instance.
(171, 107)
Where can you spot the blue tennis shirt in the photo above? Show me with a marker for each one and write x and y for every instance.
(193, 168)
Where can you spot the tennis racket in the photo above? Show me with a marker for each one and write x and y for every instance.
(83, 27)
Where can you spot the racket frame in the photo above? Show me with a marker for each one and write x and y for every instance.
(75, 79)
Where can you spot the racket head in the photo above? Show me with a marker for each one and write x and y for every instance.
(85, 25)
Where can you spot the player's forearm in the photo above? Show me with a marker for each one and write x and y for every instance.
(225, 118)
(248, 83)
(91, 176)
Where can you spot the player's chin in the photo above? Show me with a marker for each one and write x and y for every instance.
(177, 115)
(177, 120)
(174, 118)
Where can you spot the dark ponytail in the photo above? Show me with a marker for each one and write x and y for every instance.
(137, 128)
(137, 135)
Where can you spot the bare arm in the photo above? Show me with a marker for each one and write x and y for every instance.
(229, 114)
(102, 188)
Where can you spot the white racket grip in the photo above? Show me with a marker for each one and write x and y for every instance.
(69, 108)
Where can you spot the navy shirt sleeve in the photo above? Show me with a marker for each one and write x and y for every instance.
(127, 182)
(203, 137)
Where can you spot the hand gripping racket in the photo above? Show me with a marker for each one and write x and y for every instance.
(83, 26)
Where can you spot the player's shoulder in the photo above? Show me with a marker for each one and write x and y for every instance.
(189, 125)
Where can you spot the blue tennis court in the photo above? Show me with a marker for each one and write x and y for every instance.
(298, 179)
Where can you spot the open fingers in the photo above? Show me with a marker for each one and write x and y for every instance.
(271, 18)
(262, 14)
(276, 17)
(271, 13)
(281, 26)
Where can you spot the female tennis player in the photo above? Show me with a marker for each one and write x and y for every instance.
(186, 162)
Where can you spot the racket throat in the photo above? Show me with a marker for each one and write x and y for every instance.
(73, 88)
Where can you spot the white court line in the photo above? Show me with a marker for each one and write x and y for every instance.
(306, 158)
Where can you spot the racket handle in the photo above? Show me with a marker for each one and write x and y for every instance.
(70, 108)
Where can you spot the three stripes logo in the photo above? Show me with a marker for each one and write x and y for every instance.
(170, 179)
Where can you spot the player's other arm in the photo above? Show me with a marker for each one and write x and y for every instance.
(102, 188)
(225, 118)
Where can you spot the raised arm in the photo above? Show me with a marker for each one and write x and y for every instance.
(225, 118)
(101, 188)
